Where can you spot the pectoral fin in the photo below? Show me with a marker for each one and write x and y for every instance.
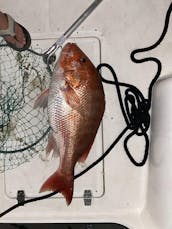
(71, 98)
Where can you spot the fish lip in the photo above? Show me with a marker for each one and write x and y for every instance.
(69, 70)
(72, 70)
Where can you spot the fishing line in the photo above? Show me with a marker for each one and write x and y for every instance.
(135, 110)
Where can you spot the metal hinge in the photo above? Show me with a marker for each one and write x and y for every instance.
(87, 197)
(21, 197)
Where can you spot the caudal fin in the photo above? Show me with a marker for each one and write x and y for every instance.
(61, 183)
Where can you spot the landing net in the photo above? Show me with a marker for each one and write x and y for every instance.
(23, 130)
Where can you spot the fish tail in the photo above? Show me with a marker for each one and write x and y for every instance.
(61, 183)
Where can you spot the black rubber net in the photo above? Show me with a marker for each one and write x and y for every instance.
(23, 130)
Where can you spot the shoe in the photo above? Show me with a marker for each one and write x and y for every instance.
(11, 31)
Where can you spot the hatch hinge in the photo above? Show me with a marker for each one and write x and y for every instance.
(21, 197)
(88, 197)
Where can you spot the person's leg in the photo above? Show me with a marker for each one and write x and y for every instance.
(19, 40)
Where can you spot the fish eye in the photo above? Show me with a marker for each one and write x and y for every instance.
(83, 59)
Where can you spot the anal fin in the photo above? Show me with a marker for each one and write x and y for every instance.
(52, 145)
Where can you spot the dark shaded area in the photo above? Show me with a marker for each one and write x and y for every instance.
(63, 226)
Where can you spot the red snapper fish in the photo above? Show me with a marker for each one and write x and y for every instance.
(76, 106)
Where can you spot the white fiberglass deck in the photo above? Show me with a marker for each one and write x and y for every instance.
(122, 193)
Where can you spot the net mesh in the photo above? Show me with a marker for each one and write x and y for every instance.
(23, 130)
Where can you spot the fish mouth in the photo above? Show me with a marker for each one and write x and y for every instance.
(72, 70)
(69, 70)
